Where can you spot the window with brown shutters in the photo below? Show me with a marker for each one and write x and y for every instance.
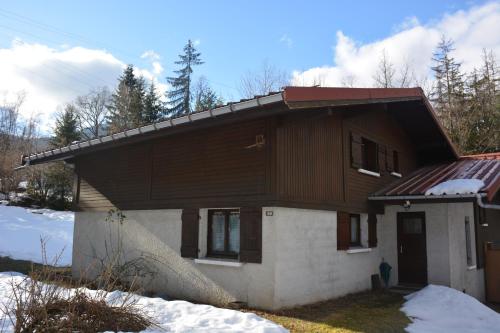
(251, 234)
(190, 229)
(372, 230)
(343, 231)
(356, 151)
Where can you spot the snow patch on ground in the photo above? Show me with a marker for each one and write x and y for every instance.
(21, 229)
(171, 316)
(456, 186)
(439, 309)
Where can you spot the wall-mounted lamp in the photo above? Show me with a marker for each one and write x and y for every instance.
(407, 204)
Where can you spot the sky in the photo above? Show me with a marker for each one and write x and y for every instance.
(57, 50)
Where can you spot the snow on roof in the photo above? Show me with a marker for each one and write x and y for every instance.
(441, 309)
(456, 186)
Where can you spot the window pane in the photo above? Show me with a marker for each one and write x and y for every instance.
(370, 158)
(234, 232)
(412, 226)
(218, 232)
(354, 229)
(468, 248)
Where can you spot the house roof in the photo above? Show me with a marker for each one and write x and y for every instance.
(291, 97)
(485, 167)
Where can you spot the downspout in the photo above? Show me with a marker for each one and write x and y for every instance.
(484, 205)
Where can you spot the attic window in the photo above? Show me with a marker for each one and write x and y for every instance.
(369, 155)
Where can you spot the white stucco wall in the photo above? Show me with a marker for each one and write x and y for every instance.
(308, 266)
(157, 234)
(446, 249)
(300, 261)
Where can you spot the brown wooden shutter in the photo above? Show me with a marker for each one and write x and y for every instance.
(343, 231)
(390, 162)
(372, 230)
(356, 151)
(251, 234)
(190, 227)
(382, 156)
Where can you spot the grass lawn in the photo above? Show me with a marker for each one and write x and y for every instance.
(363, 312)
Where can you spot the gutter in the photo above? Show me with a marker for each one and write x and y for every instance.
(192, 117)
(479, 198)
(485, 205)
(426, 197)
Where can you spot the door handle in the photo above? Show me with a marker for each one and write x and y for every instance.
(401, 248)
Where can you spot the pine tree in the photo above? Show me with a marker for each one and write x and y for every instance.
(483, 106)
(180, 95)
(66, 130)
(449, 93)
(127, 102)
(59, 177)
(153, 106)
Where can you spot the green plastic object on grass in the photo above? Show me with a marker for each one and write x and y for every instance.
(385, 272)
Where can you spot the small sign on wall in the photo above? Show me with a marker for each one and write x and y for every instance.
(269, 213)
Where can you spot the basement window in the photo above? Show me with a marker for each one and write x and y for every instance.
(223, 233)
(369, 155)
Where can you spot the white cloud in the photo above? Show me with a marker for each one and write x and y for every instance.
(51, 77)
(413, 43)
(287, 40)
(151, 55)
(154, 58)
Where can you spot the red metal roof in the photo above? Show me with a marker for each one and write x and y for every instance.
(302, 94)
(485, 167)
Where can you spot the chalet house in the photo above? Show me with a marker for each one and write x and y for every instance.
(289, 198)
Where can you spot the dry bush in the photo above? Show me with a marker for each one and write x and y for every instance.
(43, 303)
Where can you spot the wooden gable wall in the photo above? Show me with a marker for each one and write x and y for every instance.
(304, 163)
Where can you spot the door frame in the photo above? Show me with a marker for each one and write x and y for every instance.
(400, 216)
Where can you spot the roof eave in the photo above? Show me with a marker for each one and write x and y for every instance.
(69, 151)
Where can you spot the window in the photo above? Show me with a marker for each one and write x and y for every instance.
(395, 161)
(355, 230)
(224, 233)
(468, 248)
(369, 155)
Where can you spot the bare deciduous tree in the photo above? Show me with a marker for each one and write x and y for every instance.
(384, 77)
(92, 110)
(266, 79)
(17, 137)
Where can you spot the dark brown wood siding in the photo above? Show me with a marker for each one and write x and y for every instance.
(379, 127)
(305, 162)
(309, 159)
(215, 166)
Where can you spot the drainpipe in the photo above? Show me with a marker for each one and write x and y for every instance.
(484, 205)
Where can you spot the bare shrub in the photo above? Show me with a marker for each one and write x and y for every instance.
(113, 267)
(37, 306)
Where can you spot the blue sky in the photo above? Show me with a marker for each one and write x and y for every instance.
(234, 36)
